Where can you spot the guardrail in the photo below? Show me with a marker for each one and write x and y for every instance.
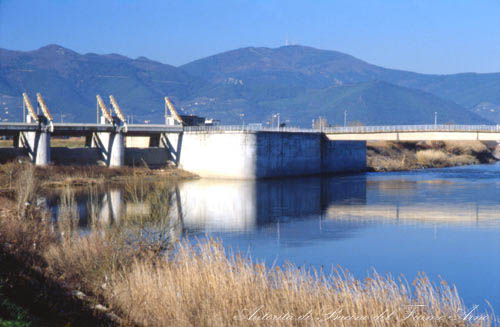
(253, 128)
(411, 128)
(248, 128)
(349, 130)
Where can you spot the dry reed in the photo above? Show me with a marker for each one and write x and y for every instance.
(465, 147)
(432, 158)
(388, 156)
(203, 287)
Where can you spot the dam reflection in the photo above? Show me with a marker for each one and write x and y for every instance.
(238, 206)
(243, 206)
(218, 205)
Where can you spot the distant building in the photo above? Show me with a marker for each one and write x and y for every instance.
(212, 122)
(192, 120)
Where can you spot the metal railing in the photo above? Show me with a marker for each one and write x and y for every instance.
(254, 128)
(349, 130)
(248, 128)
(411, 128)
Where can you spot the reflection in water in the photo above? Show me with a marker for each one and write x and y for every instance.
(444, 222)
(463, 213)
(240, 206)
(111, 207)
(245, 206)
(158, 214)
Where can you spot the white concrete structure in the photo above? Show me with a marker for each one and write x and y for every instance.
(112, 148)
(38, 146)
(254, 154)
(37, 143)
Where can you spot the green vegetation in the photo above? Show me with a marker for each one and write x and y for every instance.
(12, 315)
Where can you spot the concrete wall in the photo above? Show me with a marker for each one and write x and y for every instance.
(153, 157)
(287, 154)
(219, 154)
(76, 156)
(137, 141)
(343, 156)
(253, 155)
(9, 154)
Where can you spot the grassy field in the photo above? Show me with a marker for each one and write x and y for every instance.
(133, 274)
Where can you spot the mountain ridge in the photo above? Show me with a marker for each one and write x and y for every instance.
(248, 84)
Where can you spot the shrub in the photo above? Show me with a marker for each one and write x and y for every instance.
(432, 158)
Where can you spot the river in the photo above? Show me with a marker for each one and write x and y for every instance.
(444, 222)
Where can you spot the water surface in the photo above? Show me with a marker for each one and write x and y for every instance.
(444, 222)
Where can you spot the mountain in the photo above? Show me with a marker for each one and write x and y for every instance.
(70, 81)
(307, 67)
(372, 103)
(377, 102)
(246, 85)
(257, 81)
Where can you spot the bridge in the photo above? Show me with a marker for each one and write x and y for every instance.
(239, 151)
(75, 129)
(415, 133)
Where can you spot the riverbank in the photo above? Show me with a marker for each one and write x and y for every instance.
(128, 274)
(54, 177)
(396, 156)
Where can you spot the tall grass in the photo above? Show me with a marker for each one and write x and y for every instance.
(465, 147)
(68, 217)
(202, 286)
(25, 188)
(388, 155)
(432, 158)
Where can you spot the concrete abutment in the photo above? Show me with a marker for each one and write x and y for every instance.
(256, 154)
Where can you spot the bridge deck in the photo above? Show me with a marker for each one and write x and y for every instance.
(75, 129)
(416, 133)
(390, 133)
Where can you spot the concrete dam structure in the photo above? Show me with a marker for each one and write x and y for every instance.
(221, 152)
(247, 154)
(232, 152)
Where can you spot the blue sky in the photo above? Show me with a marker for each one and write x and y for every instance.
(440, 36)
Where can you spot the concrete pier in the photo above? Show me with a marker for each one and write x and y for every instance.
(112, 148)
(37, 143)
